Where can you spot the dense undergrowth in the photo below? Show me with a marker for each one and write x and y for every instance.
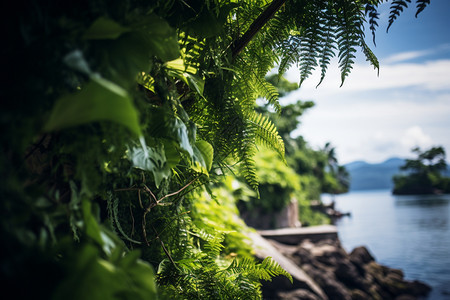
(119, 120)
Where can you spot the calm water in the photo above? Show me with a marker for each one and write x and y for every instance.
(411, 233)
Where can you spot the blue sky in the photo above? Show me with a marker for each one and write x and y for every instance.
(372, 117)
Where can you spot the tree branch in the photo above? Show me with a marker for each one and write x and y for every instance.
(262, 19)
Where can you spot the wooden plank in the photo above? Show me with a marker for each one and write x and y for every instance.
(294, 236)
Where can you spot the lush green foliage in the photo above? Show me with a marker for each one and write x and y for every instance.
(307, 174)
(114, 112)
(424, 174)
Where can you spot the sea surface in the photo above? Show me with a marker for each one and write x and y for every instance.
(411, 233)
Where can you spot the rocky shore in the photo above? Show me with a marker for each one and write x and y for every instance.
(324, 270)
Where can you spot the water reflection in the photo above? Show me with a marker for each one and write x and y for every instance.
(425, 212)
(407, 232)
(422, 200)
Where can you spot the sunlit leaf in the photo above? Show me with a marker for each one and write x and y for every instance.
(181, 134)
(152, 159)
(104, 28)
(99, 100)
(188, 75)
(207, 153)
(179, 66)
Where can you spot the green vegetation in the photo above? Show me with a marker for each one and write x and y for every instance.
(119, 120)
(307, 174)
(424, 174)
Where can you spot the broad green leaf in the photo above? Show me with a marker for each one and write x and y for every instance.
(167, 126)
(173, 157)
(181, 134)
(91, 225)
(179, 66)
(93, 276)
(143, 278)
(207, 153)
(104, 28)
(99, 100)
(177, 69)
(160, 38)
(152, 159)
(195, 82)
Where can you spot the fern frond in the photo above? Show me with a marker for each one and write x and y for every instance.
(310, 43)
(289, 53)
(274, 269)
(373, 15)
(266, 133)
(248, 165)
(214, 246)
(370, 57)
(267, 91)
(267, 269)
(251, 82)
(396, 8)
(349, 32)
(421, 5)
(327, 44)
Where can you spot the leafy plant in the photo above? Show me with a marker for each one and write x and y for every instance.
(114, 113)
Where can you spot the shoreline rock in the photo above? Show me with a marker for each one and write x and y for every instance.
(339, 275)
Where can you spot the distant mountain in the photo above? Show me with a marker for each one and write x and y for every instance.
(365, 176)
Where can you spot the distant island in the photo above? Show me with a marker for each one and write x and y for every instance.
(423, 175)
(376, 176)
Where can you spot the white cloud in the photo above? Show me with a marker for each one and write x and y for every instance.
(403, 56)
(374, 118)
(430, 76)
(415, 137)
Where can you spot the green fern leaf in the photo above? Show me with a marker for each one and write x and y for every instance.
(373, 15)
(290, 53)
(249, 166)
(396, 8)
(327, 44)
(370, 57)
(269, 92)
(266, 133)
(274, 269)
(349, 32)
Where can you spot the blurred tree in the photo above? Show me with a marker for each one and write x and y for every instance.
(424, 174)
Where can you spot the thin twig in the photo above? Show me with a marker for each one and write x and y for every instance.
(164, 248)
(144, 232)
(177, 192)
(150, 192)
(140, 200)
